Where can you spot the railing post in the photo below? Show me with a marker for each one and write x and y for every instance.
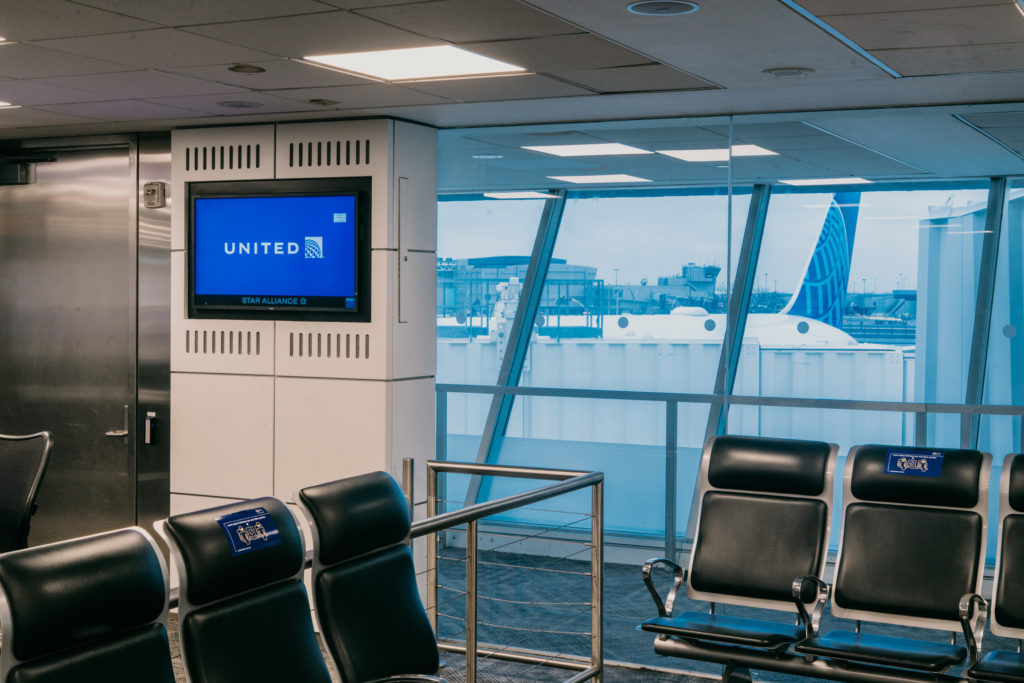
(471, 563)
(597, 578)
(409, 487)
(432, 582)
(441, 425)
(671, 464)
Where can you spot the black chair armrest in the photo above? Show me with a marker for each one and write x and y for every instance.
(678, 579)
(810, 591)
(409, 678)
(973, 615)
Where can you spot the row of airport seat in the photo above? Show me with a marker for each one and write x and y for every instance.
(911, 553)
(94, 609)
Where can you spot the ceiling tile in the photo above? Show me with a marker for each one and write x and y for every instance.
(12, 118)
(932, 28)
(361, 4)
(646, 77)
(826, 7)
(555, 54)
(42, 19)
(212, 104)
(363, 96)
(665, 138)
(313, 34)
(36, 92)
(141, 84)
(187, 12)
(121, 110)
(19, 60)
(963, 59)
(280, 73)
(463, 21)
(998, 119)
(161, 48)
(523, 87)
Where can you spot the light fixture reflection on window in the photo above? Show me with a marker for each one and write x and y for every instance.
(519, 195)
(825, 181)
(588, 150)
(416, 64)
(718, 153)
(610, 178)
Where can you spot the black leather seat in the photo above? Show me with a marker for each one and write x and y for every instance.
(763, 523)
(364, 581)
(88, 610)
(912, 553)
(1008, 586)
(243, 613)
(23, 461)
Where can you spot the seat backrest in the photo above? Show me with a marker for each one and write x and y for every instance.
(243, 613)
(364, 580)
(764, 519)
(913, 538)
(89, 610)
(23, 461)
(1008, 585)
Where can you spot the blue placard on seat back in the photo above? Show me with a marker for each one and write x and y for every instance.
(249, 530)
(914, 462)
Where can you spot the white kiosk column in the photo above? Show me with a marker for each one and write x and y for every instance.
(266, 407)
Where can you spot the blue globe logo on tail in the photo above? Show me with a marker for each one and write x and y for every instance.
(314, 247)
(822, 294)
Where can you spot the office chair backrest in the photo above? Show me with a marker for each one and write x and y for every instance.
(763, 521)
(364, 580)
(1008, 589)
(913, 540)
(88, 610)
(23, 461)
(243, 614)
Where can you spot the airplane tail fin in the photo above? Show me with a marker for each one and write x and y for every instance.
(822, 293)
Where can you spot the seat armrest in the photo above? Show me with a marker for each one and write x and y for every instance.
(810, 595)
(409, 678)
(973, 615)
(678, 579)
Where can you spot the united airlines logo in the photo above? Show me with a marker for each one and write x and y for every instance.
(314, 247)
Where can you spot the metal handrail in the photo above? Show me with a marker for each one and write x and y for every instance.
(567, 481)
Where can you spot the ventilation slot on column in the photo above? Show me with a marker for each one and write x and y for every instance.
(222, 343)
(221, 157)
(329, 153)
(320, 345)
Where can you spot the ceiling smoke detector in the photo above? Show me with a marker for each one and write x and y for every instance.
(658, 8)
(247, 69)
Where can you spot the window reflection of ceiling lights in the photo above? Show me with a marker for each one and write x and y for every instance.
(519, 195)
(825, 181)
(417, 63)
(718, 154)
(612, 178)
(588, 150)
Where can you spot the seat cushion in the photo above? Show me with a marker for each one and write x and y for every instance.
(884, 650)
(720, 628)
(999, 665)
(141, 655)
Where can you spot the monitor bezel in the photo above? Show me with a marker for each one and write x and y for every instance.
(360, 187)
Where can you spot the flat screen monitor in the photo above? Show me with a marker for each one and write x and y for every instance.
(280, 249)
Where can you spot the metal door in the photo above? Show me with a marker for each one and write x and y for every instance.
(68, 331)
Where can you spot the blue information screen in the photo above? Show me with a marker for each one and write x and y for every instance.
(288, 252)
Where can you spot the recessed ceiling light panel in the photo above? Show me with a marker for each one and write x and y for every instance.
(718, 154)
(416, 64)
(660, 8)
(588, 150)
(610, 178)
(519, 195)
(801, 182)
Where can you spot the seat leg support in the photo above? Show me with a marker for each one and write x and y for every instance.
(734, 673)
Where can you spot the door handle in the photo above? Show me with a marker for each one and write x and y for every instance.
(150, 419)
(123, 432)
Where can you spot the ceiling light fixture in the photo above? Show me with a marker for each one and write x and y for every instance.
(1020, 6)
(247, 69)
(611, 178)
(826, 181)
(519, 195)
(718, 154)
(661, 8)
(416, 64)
(8, 105)
(587, 150)
(488, 157)
(788, 71)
